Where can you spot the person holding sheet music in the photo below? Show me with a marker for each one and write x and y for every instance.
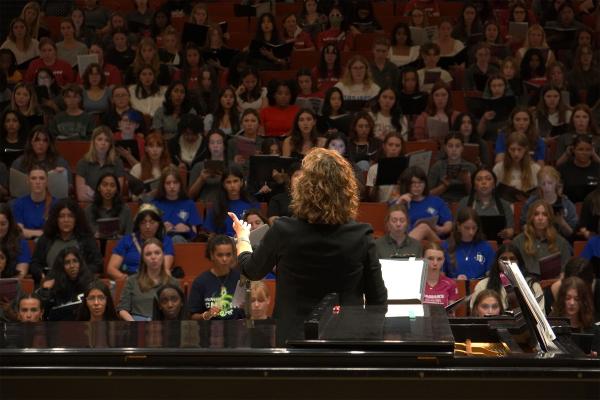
(363, 19)
(357, 84)
(66, 226)
(556, 75)
(521, 121)
(205, 176)
(439, 114)
(396, 243)
(169, 53)
(575, 302)
(533, 72)
(385, 73)
(31, 211)
(468, 254)
(477, 75)
(450, 178)
(32, 15)
(540, 239)
(402, 51)
(176, 104)
(304, 136)
(581, 174)
(308, 94)
(484, 199)
(267, 34)
(493, 37)
(494, 115)
(339, 142)
(47, 91)
(430, 217)
(69, 48)
(581, 123)
(449, 47)
(138, 295)
(101, 157)
(465, 125)
(431, 73)
(20, 41)
(278, 117)
(509, 70)
(497, 281)
(334, 117)
(293, 33)
(141, 16)
(247, 142)
(439, 289)
(363, 146)
(188, 147)
(13, 135)
(311, 19)
(468, 27)
(66, 281)
(552, 114)
(119, 105)
(147, 54)
(62, 70)
(225, 116)
(108, 203)
(251, 93)
(410, 96)
(73, 123)
(161, 20)
(120, 53)
(584, 37)
(329, 70)
(15, 246)
(232, 198)
(279, 204)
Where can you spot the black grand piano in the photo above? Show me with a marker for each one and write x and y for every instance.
(397, 351)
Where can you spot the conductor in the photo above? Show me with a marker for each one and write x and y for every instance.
(320, 250)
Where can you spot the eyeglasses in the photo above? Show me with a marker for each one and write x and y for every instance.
(96, 299)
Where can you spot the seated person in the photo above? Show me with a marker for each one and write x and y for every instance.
(156, 157)
(431, 73)
(396, 243)
(279, 205)
(73, 123)
(170, 304)
(487, 304)
(189, 146)
(497, 281)
(179, 214)
(30, 308)
(540, 239)
(549, 190)
(126, 256)
(521, 120)
(430, 217)
(478, 73)
(468, 255)
(66, 227)
(212, 292)
(574, 301)
(15, 247)
(67, 280)
(260, 298)
(439, 109)
(31, 210)
(205, 179)
(140, 290)
(451, 178)
(484, 199)
(439, 289)
(589, 219)
(97, 304)
(278, 117)
(392, 147)
(579, 267)
(580, 175)
(254, 218)
(357, 84)
(108, 203)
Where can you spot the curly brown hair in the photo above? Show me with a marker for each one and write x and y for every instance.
(326, 192)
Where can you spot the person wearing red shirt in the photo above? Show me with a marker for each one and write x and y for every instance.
(439, 289)
(62, 71)
(278, 117)
(112, 73)
(293, 33)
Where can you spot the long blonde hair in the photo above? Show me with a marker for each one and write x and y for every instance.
(550, 171)
(326, 191)
(34, 28)
(524, 165)
(144, 280)
(531, 29)
(550, 234)
(347, 78)
(111, 155)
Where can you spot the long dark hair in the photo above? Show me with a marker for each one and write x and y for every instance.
(275, 39)
(219, 111)
(82, 228)
(455, 239)
(158, 315)
(140, 91)
(494, 281)
(395, 112)
(30, 159)
(337, 65)
(526, 71)
(474, 136)
(161, 193)
(83, 314)
(222, 203)
(185, 66)
(296, 136)
(62, 289)
(495, 195)
(326, 108)
(168, 107)
(397, 27)
(117, 202)
(11, 243)
(255, 93)
(22, 124)
(153, 213)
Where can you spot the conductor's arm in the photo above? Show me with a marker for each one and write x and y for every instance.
(254, 265)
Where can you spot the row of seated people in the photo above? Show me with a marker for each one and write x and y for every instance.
(153, 294)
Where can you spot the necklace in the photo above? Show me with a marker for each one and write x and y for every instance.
(222, 279)
(468, 253)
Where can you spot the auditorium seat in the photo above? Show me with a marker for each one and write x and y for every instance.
(110, 245)
(271, 284)
(118, 290)
(283, 9)
(518, 207)
(388, 22)
(383, 9)
(494, 245)
(238, 40)
(365, 41)
(451, 9)
(27, 285)
(118, 5)
(471, 153)
(304, 59)
(287, 74)
(191, 258)
(72, 150)
(374, 214)
(53, 25)
(551, 149)
(417, 145)
(547, 283)
(578, 247)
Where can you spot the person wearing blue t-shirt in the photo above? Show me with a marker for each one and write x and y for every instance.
(211, 295)
(430, 217)
(179, 214)
(31, 211)
(592, 248)
(467, 254)
(234, 198)
(16, 249)
(125, 259)
(521, 120)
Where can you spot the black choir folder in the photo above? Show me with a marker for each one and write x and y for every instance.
(390, 169)
(108, 227)
(197, 33)
(550, 266)
(9, 288)
(283, 50)
(502, 106)
(262, 166)
(491, 225)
